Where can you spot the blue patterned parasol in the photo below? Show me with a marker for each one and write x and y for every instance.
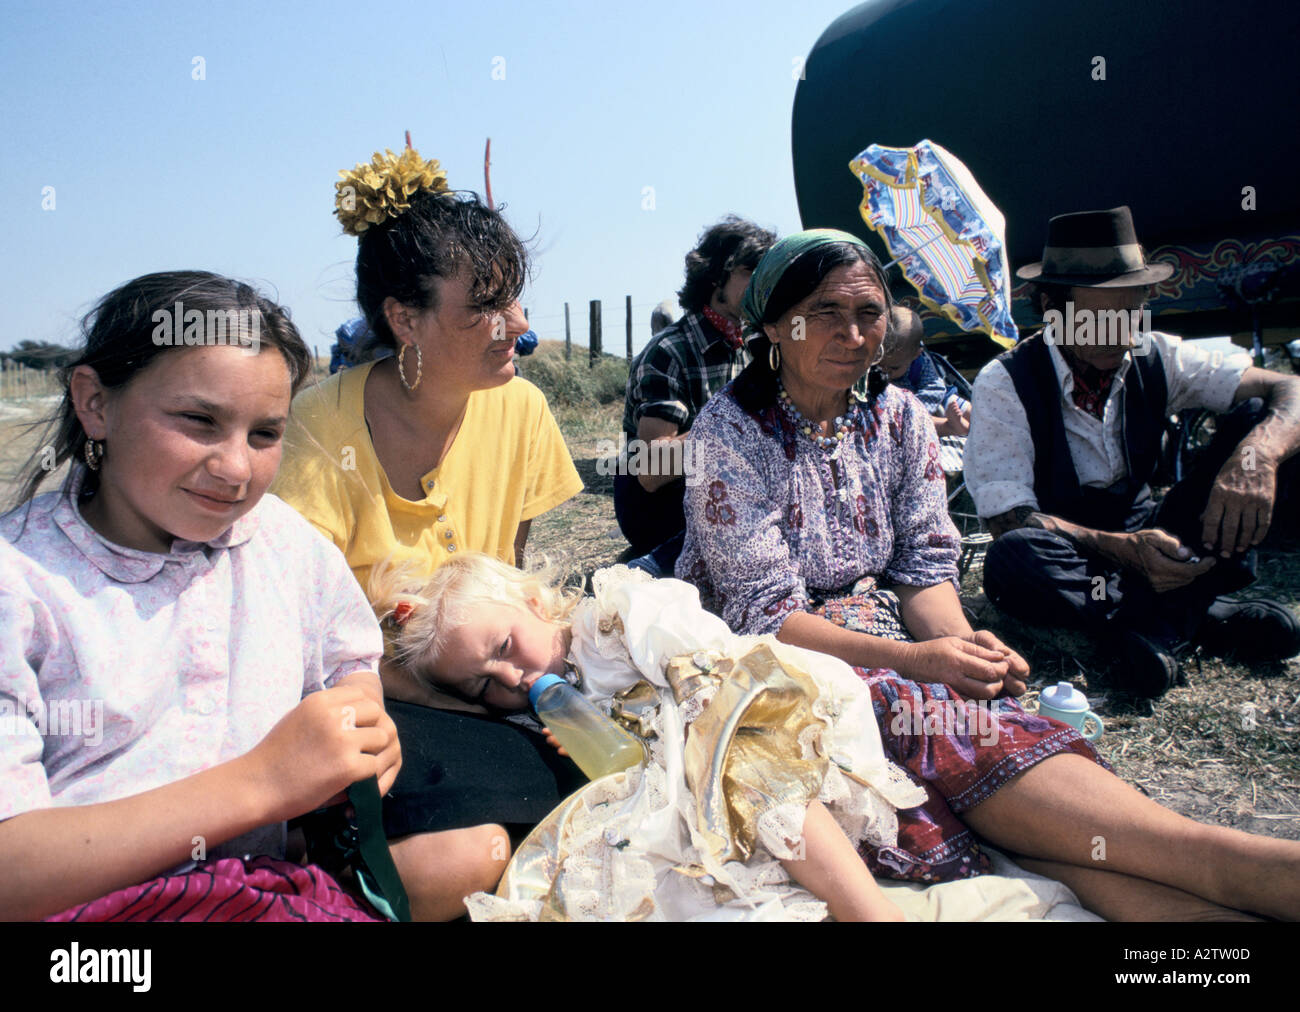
(943, 231)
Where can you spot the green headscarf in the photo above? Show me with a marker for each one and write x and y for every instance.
(767, 275)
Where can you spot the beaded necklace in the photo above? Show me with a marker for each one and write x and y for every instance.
(843, 425)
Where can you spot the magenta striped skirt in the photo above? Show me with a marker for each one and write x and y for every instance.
(252, 889)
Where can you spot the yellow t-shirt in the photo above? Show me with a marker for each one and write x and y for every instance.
(508, 463)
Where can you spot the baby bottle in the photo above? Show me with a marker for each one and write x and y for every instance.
(595, 742)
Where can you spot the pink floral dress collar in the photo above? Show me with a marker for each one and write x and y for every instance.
(131, 565)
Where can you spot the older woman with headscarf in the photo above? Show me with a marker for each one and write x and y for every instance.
(818, 513)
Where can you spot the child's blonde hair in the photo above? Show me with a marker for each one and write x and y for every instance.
(430, 609)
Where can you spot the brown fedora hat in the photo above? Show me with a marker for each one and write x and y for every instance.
(1094, 249)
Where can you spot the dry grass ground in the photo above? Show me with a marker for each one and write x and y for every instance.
(1223, 749)
(17, 447)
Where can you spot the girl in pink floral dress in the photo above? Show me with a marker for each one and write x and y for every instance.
(184, 663)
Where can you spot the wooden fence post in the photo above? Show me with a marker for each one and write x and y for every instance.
(568, 337)
(629, 330)
(593, 342)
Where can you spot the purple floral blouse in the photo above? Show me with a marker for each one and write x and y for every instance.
(774, 522)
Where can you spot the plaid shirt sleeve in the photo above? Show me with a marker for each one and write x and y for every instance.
(657, 388)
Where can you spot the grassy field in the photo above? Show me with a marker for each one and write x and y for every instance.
(1223, 749)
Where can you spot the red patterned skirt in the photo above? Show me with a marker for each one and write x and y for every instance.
(253, 889)
(961, 752)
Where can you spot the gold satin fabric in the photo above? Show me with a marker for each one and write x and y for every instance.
(742, 758)
(742, 753)
(535, 872)
(634, 706)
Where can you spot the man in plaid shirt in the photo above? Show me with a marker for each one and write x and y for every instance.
(671, 380)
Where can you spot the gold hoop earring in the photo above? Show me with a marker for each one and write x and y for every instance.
(94, 453)
(774, 357)
(880, 354)
(419, 367)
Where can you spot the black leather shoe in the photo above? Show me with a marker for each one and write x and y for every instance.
(1147, 667)
(1257, 630)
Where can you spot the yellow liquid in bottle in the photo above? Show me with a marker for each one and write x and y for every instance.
(599, 749)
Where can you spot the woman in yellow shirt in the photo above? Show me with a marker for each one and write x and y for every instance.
(436, 450)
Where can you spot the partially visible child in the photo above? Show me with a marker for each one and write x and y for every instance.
(185, 663)
(486, 631)
(908, 365)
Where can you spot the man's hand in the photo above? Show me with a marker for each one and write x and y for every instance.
(1013, 520)
(1156, 554)
(1240, 508)
(1164, 560)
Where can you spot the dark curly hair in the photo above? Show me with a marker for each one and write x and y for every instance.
(732, 244)
(441, 235)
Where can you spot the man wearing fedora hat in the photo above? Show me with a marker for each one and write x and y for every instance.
(1065, 436)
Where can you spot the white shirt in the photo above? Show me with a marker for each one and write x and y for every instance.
(123, 670)
(1000, 448)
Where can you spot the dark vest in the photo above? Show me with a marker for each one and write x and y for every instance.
(1142, 422)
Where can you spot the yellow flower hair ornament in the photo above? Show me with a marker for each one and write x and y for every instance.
(370, 194)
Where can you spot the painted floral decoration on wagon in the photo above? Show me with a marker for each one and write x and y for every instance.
(370, 194)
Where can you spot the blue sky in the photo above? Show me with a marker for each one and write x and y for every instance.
(153, 169)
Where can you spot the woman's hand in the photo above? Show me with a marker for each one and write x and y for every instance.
(978, 665)
(330, 740)
(1013, 683)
